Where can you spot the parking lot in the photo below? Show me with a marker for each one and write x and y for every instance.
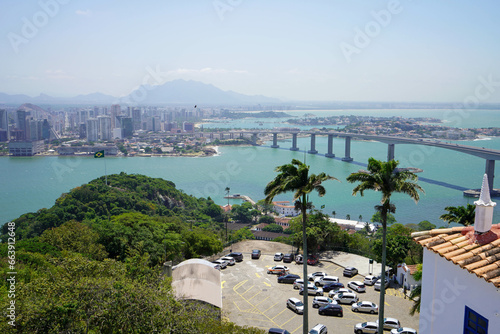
(251, 297)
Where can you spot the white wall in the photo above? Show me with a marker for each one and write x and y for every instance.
(447, 289)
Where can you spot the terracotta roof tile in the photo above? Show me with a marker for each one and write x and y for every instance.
(477, 253)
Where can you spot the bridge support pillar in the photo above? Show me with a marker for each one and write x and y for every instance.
(313, 144)
(211, 135)
(221, 136)
(390, 152)
(254, 139)
(275, 141)
(330, 147)
(490, 171)
(294, 143)
(347, 156)
(231, 135)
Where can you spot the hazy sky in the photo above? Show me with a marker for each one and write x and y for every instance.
(419, 50)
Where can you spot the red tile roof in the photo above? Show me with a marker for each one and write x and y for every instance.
(477, 253)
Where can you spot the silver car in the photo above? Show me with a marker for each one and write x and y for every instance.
(298, 283)
(319, 301)
(312, 290)
(366, 328)
(295, 305)
(404, 330)
(391, 323)
(356, 286)
(230, 260)
(379, 283)
(365, 306)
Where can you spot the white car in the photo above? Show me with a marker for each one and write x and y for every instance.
(391, 323)
(278, 256)
(366, 328)
(221, 263)
(378, 284)
(364, 306)
(230, 260)
(404, 330)
(357, 286)
(319, 301)
(370, 280)
(313, 276)
(346, 298)
(322, 280)
(332, 293)
(312, 290)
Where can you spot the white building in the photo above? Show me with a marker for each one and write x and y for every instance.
(461, 275)
(404, 276)
(353, 224)
(283, 208)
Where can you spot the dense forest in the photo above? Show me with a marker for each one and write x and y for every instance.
(92, 262)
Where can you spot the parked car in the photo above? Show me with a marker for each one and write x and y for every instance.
(404, 330)
(312, 260)
(288, 258)
(278, 256)
(322, 280)
(345, 298)
(298, 284)
(278, 270)
(216, 266)
(356, 286)
(319, 329)
(313, 276)
(378, 284)
(332, 286)
(312, 290)
(366, 327)
(295, 305)
(350, 271)
(278, 331)
(370, 280)
(299, 259)
(221, 263)
(238, 256)
(331, 309)
(288, 278)
(256, 254)
(365, 306)
(230, 260)
(391, 323)
(319, 301)
(332, 293)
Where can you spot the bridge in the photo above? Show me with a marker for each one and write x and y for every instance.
(490, 155)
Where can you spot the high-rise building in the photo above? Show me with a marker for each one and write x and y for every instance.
(92, 129)
(4, 126)
(115, 111)
(127, 126)
(21, 124)
(136, 118)
(104, 127)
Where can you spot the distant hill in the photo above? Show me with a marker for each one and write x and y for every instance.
(171, 92)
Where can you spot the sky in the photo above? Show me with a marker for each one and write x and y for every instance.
(323, 50)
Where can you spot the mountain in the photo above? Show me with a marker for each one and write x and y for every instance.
(194, 92)
(171, 92)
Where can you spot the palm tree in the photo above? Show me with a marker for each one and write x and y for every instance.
(415, 296)
(334, 213)
(384, 177)
(460, 214)
(227, 194)
(295, 177)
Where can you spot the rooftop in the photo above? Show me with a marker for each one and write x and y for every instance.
(477, 253)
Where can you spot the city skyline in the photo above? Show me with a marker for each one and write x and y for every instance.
(415, 51)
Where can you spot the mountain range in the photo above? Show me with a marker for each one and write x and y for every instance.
(171, 92)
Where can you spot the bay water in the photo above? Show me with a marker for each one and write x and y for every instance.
(31, 183)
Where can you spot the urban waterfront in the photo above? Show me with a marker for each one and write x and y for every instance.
(32, 183)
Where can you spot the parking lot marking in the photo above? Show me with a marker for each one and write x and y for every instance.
(222, 284)
(386, 303)
(248, 290)
(286, 309)
(283, 324)
(268, 284)
(256, 274)
(296, 329)
(237, 286)
(262, 301)
(271, 307)
(255, 295)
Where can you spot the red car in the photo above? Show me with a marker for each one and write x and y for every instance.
(312, 260)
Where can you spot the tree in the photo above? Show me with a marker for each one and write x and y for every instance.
(348, 216)
(415, 294)
(266, 220)
(273, 228)
(227, 190)
(295, 177)
(460, 214)
(334, 213)
(425, 226)
(384, 177)
(377, 218)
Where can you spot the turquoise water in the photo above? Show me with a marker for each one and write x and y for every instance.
(31, 183)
